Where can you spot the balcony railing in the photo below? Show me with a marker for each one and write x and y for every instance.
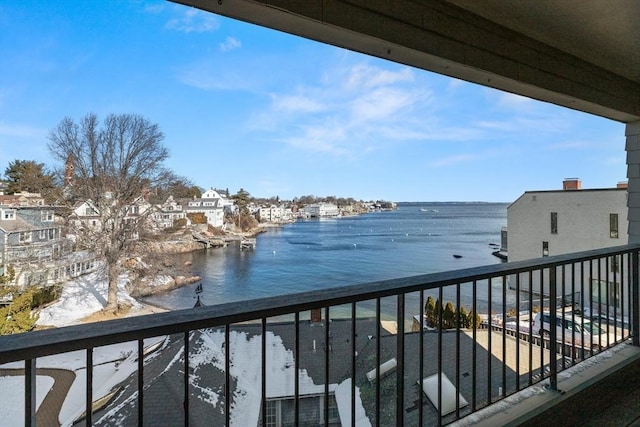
(339, 356)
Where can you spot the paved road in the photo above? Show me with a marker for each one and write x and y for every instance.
(49, 410)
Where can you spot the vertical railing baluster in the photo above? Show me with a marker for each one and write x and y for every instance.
(504, 337)
(30, 393)
(607, 289)
(458, 309)
(89, 387)
(474, 351)
(531, 318)
(186, 379)
(264, 371)
(421, 361)
(140, 382)
(517, 332)
(227, 376)
(542, 343)
(489, 336)
(440, 373)
(615, 265)
(591, 306)
(621, 278)
(631, 277)
(635, 301)
(553, 330)
(327, 350)
(354, 350)
(582, 308)
(563, 320)
(400, 361)
(378, 362)
(573, 314)
(599, 304)
(296, 363)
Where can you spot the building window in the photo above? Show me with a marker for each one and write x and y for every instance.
(545, 248)
(25, 236)
(9, 215)
(88, 211)
(613, 226)
(271, 413)
(43, 234)
(554, 222)
(46, 216)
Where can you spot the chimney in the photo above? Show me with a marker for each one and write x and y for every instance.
(571, 184)
(623, 184)
(316, 315)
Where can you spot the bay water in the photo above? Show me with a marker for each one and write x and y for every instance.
(417, 238)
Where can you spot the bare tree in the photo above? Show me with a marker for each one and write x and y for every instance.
(114, 163)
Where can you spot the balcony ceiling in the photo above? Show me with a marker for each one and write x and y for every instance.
(582, 54)
(604, 33)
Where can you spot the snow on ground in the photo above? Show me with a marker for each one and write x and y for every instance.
(112, 365)
(12, 406)
(81, 297)
(245, 368)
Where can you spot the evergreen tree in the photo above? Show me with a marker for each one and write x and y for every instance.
(31, 177)
(449, 316)
(430, 311)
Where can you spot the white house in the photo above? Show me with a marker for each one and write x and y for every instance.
(547, 223)
(211, 204)
(275, 213)
(322, 210)
(85, 214)
(165, 214)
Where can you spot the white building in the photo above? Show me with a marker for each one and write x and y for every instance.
(211, 204)
(322, 210)
(165, 214)
(548, 223)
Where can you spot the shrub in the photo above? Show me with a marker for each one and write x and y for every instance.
(197, 218)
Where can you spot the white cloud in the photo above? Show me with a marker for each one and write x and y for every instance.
(193, 21)
(382, 103)
(511, 100)
(363, 76)
(296, 104)
(230, 43)
(454, 160)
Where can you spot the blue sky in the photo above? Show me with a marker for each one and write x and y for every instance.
(246, 107)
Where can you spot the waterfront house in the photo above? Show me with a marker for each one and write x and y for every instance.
(165, 214)
(322, 210)
(33, 246)
(274, 214)
(211, 205)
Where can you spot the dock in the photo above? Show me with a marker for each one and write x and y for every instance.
(248, 243)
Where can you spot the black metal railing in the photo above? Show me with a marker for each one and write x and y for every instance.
(420, 350)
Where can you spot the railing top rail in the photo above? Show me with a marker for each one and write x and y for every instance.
(59, 340)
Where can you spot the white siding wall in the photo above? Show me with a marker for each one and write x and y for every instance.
(583, 222)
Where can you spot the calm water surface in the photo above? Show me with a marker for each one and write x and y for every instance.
(417, 238)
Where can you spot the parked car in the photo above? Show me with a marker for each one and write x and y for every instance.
(576, 329)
